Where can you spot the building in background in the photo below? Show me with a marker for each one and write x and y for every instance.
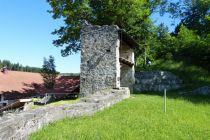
(15, 85)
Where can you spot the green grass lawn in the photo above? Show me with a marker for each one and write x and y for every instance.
(142, 115)
(136, 118)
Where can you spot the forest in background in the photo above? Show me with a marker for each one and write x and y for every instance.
(18, 67)
(190, 41)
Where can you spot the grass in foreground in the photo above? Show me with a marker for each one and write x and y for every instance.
(139, 117)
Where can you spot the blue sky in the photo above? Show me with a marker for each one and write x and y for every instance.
(25, 34)
(157, 19)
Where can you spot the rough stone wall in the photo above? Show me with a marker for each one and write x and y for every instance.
(127, 78)
(204, 91)
(100, 67)
(126, 51)
(156, 81)
(19, 126)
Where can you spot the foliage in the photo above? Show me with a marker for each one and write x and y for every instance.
(133, 16)
(194, 15)
(139, 117)
(160, 44)
(166, 44)
(18, 67)
(49, 72)
(190, 39)
(186, 36)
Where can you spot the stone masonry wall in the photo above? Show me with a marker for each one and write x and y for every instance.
(127, 78)
(156, 81)
(100, 68)
(19, 126)
(126, 52)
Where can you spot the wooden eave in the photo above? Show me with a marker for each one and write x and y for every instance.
(128, 39)
(125, 61)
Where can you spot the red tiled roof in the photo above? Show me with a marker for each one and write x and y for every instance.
(15, 85)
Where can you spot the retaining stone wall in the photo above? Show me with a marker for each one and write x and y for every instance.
(156, 81)
(19, 126)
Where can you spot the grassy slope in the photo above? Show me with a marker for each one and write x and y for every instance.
(140, 117)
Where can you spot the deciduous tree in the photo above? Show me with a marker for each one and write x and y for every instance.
(131, 15)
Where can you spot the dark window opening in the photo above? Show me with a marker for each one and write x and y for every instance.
(83, 79)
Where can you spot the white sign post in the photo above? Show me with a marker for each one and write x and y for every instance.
(165, 100)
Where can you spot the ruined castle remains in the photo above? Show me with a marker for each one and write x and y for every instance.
(107, 58)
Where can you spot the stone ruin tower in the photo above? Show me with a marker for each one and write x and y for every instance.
(107, 59)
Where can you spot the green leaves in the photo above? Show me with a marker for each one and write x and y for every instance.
(193, 14)
(49, 72)
(186, 36)
(131, 15)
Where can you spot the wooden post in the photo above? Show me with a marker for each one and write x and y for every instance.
(165, 100)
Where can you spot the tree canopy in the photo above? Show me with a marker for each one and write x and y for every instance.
(49, 73)
(194, 14)
(131, 15)
(191, 37)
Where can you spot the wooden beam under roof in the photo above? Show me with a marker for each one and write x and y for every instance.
(125, 61)
(128, 39)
